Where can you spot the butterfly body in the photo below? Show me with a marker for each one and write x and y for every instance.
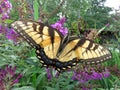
(54, 49)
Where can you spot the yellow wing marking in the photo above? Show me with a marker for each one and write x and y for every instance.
(45, 30)
(49, 48)
(85, 45)
(68, 47)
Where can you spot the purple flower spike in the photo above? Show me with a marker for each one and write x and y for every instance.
(1, 11)
(8, 4)
(3, 29)
(12, 35)
(8, 77)
(0, 28)
(5, 7)
(11, 70)
(9, 33)
(49, 75)
(86, 74)
(17, 79)
(62, 20)
(59, 26)
(5, 16)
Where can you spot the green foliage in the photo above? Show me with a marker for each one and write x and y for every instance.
(115, 29)
(97, 15)
(24, 88)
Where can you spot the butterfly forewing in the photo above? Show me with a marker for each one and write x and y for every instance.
(36, 33)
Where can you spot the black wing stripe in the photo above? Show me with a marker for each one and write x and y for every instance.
(96, 47)
(41, 28)
(80, 43)
(52, 34)
(90, 45)
(34, 27)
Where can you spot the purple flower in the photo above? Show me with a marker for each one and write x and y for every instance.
(59, 26)
(3, 29)
(17, 79)
(96, 75)
(81, 76)
(86, 74)
(5, 7)
(0, 28)
(12, 35)
(5, 16)
(106, 73)
(1, 11)
(62, 20)
(6, 4)
(85, 88)
(8, 77)
(9, 33)
(10, 70)
(51, 73)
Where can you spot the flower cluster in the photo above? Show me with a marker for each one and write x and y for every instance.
(12, 35)
(8, 77)
(85, 74)
(59, 26)
(5, 7)
(9, 33)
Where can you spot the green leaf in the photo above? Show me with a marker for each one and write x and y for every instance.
(24, 88)
(36, 8)
(9, 21)
(40, 77)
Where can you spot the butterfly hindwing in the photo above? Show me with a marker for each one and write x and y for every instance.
(84, 50)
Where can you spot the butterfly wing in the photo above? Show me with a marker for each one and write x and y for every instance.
(39, 35)
(84, 50)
